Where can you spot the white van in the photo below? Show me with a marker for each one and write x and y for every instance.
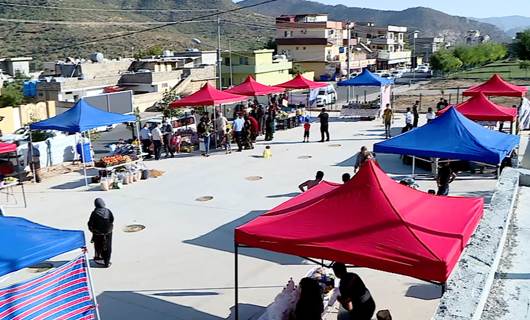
(326, 95)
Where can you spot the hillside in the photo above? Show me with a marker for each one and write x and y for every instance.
(510, 24)
(430, 22)
(41, 40)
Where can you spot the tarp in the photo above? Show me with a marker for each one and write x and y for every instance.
(300, 82)
(366, 79)
(251, 87)
(80, 118)
(374, 222)
(24, 243)
(208, 95)
(497, 86)
(452, 136)
(480, 108)
(7, 147)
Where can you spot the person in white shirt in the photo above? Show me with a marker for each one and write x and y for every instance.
(145, 139)
(157, 137)
(237, 126)
(220, 127)
(430, 115)
(409, 119)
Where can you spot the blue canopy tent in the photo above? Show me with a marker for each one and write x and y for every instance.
(366, 79)
(452, 136)
(80, 118)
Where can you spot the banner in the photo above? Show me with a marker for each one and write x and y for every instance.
(524, 115)
(60, 294)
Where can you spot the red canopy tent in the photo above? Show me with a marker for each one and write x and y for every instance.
(480, 108)
(251, 87)
(300, 82)
(497, 86)
(371, 221)
(7, 147)
(208, 95)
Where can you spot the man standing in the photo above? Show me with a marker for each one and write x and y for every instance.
(156, 135)
(145, 139)
(355, 299)
(440, 105)
(33, 160)
(324, 124)
(237, 126)
(311, 183)
(409, 119)
(220, 127)
(167, 132)
(415, 114)
(388, 116)
(445, 177)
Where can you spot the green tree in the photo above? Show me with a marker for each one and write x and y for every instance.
(522, 45)
(12, 94)
(525, 65)
(481, 54)
(156, 50)
(445, 61)
(167, 97)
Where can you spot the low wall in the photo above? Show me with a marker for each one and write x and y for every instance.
(470, 283)
(54, 151)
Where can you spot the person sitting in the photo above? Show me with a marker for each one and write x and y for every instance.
(311, 183)
(363, 156)
(310, 305)
(355, 299)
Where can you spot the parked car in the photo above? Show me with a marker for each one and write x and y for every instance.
(326, 95)
(423, 69)
(22, 134)
(397, 74)
(178, 123)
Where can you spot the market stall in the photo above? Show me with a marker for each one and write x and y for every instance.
(23, 244)
(454, 137)
(341, 223)
(82, 118)
(496, 86)
(11, 173)
(252, 88)
(368, 109)
(299, 82)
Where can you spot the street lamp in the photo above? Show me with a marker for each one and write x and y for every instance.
(414, 58)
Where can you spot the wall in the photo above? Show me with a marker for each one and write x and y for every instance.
(317, 68)
(310, 53)
(16, 117)
(273, 78)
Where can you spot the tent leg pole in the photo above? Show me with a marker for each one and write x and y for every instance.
(20, 180)
(236, 283)
(444, 288)
(33, 175)
(413, 166)
(83, 159)
(137, 125)
(90, 283)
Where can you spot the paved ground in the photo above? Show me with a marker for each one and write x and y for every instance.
(181, 265)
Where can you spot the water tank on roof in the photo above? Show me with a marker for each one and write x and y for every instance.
(96, 57)
(29, 88)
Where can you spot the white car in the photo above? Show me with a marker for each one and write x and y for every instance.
(397, 74)
(22, 134)
(423, 69)
(326, 95)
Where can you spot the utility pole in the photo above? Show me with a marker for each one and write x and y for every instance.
(220, 86)
(230, 62)
(414, 58)
(348, 65)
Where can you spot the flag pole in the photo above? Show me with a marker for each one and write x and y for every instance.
(90, 283)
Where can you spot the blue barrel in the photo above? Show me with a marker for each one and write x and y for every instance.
(86, 149)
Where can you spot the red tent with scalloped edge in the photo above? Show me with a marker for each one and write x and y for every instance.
(7, 147)
(480, 108)
(300, 82)
(498, 87)
(208, 95)
(250, 87)
(371, 221)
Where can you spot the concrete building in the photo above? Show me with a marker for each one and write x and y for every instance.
(388, 42)
(424, 47)
(474, 37)
(15, 66)
(261, 64)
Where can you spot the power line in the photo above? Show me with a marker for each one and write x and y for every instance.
(102, 10)
(99, 23)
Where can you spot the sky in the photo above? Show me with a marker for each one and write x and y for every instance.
(466, 8)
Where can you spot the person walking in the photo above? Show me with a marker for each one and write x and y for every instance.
(307, 128)
(444, 178)
(167, 132)
(33, 161)
(324, 124)
(388, 118)
(101, 223)
(237, 126)
(269, 126)
(156, 135)
(430, 115)
(415, 114)
(356, 302)
(409, 119)
(304, 186)
(220, 127)
(145, 140)
(204, 131)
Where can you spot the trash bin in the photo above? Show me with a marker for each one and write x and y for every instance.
(86, 152)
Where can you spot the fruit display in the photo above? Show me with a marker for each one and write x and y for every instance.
(10, 180)
(110, 161)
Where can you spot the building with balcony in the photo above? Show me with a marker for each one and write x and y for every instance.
(424, 47)
(261, 64)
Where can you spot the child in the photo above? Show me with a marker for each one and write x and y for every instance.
(174, 144)
(227, 138)
(307, 127)
(267, 153)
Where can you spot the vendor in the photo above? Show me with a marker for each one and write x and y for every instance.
(355, 299)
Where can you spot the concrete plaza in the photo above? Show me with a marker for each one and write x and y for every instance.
(182, 265)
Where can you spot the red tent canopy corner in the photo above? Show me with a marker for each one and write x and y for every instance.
(480, 108)
(371, 221)
(208, 95)
(250, 87)
(497, 86)
(300, 82)
(7, 147)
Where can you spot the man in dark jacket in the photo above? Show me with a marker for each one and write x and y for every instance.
(100, 224)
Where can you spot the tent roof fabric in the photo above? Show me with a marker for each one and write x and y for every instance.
(480, 108)
(208, 95)
(497, 86)
(452, 136)
(24, 243)
(80, 118)
(371, 221)
(251, 87)
(300, 82)
(7, 147)
(366, 79)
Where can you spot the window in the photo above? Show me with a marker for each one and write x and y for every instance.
(227, 61)
(243, 60)
(286, 34)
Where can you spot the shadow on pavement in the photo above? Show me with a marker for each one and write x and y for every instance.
(426, 291)
(222, 239)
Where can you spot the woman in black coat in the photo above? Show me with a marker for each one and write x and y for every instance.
(100, 224)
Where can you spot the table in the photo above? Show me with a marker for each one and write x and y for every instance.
(111, 168)
(7, 189)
